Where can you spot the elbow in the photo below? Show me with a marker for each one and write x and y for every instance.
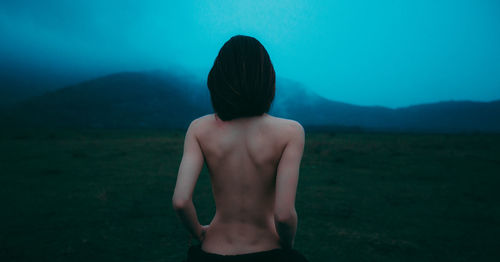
(179, 203)
(286, 216)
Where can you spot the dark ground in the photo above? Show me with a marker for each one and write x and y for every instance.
(104, 195)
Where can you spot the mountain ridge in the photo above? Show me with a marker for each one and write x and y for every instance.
(158, 99)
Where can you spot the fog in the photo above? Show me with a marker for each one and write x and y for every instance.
(388, 53)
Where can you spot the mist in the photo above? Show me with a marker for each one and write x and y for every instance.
(387, 53)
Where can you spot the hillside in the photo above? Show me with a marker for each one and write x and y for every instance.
(123, 100)
(162, 100)
(451, 116)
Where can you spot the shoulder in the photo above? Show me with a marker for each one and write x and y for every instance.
(288, 127)
(201, 122)
(200, 125)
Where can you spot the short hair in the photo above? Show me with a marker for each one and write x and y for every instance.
(242, 79)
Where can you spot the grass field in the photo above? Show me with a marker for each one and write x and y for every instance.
(105, 195)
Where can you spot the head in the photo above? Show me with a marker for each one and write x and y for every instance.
(242, 79)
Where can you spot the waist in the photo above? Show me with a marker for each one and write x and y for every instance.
(196, 253)
(236, 237)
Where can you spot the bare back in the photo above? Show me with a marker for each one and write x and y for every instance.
(242, 156)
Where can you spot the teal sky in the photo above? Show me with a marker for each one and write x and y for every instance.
(390, 53)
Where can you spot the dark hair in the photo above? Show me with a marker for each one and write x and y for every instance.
(242, 79)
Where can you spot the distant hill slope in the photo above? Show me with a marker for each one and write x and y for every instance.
(123, 100)
(159, 99)
(452, 116)
(18, 83)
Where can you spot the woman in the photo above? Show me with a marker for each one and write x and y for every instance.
(253, 159)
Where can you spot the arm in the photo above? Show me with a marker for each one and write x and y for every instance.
(285, 216)
(189, 171)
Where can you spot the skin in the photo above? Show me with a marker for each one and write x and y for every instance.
(254, 168)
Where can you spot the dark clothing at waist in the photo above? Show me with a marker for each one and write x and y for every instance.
(196, 254)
